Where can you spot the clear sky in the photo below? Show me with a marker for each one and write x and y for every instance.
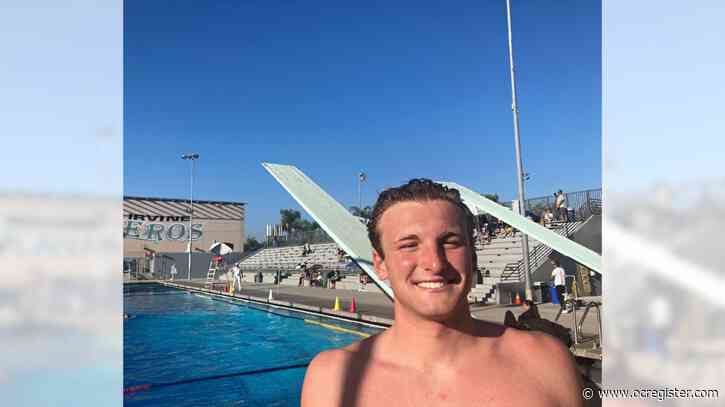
(416, 89)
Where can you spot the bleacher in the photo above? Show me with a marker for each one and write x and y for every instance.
(495, 261)
(499, 259)
(270, 260)
(288, 257)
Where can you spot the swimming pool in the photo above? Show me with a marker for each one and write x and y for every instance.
(196, 350)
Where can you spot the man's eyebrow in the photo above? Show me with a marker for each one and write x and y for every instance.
(407, 237)
(448, 235)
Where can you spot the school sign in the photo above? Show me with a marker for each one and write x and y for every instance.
(162, 224)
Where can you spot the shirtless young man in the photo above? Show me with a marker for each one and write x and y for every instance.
(435, 353)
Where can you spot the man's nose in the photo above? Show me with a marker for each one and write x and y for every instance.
(432, 258)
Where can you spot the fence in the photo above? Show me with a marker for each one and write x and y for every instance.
(583, 204)
(298, 238)
(341, 270)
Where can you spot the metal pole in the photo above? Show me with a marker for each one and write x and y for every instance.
(359, 193)
(519, 163)
(191, 215)
(193, 157)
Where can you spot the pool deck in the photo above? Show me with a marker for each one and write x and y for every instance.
(376, 309)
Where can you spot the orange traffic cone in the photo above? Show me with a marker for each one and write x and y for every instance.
(517, 300)
(353, 305)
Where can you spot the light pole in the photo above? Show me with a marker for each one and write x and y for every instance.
(361, 177)
(191, 157)
(519, 163)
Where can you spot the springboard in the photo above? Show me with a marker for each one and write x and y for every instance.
(345, 229)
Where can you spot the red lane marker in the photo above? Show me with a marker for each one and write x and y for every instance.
(134, 389)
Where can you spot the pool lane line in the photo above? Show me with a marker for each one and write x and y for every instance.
(338, 328)
(148, 386)
(154, 295)
(291, 308)
(255, 307)
(306, 320)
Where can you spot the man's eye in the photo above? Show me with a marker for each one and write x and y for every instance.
(408, 246)
(453, 243)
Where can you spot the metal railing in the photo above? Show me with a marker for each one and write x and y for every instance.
(583, 203)
(340, 269)
(298, 238)
(513, 271)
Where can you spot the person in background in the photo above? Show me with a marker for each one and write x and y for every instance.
(548, 217)
(530, 320)
(236, 272)
(340, 255)
(491, 228)
(561, 206)
(559, 276)
(332, 282)
(363, 281)
(530, 311)
(303, 273)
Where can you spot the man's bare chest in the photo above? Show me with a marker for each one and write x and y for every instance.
(467, 387)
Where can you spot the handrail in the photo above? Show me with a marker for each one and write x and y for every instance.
(536, 255)
(340, 269)
(578, 324)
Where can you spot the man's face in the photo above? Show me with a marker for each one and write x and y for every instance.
(428, 257)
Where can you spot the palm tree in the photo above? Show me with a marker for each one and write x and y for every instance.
(493, 197)
(290, 219)
(366, 212)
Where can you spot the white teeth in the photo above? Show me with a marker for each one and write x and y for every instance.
(431, 284)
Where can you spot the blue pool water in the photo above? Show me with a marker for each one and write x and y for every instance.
(175, 336)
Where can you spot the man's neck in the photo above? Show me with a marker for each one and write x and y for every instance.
(429, 343)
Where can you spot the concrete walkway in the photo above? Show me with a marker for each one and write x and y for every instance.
(368, 303)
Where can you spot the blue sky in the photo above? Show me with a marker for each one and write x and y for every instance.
(417, 89)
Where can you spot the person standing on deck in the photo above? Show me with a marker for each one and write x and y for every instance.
(559, 276)
(236, 271)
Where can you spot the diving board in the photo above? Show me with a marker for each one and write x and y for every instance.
(345, 229)
(554, 240)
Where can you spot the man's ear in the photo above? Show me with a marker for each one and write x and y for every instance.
(379, 266)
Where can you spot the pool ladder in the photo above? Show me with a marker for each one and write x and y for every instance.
(210, 275)
(577, 324)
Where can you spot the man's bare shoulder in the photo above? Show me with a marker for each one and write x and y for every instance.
(551, 362)
(537, 345)
(328, 373)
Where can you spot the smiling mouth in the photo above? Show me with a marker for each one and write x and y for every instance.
(431, 284)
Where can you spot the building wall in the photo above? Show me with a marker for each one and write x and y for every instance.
(162, 225)
(219, 230)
